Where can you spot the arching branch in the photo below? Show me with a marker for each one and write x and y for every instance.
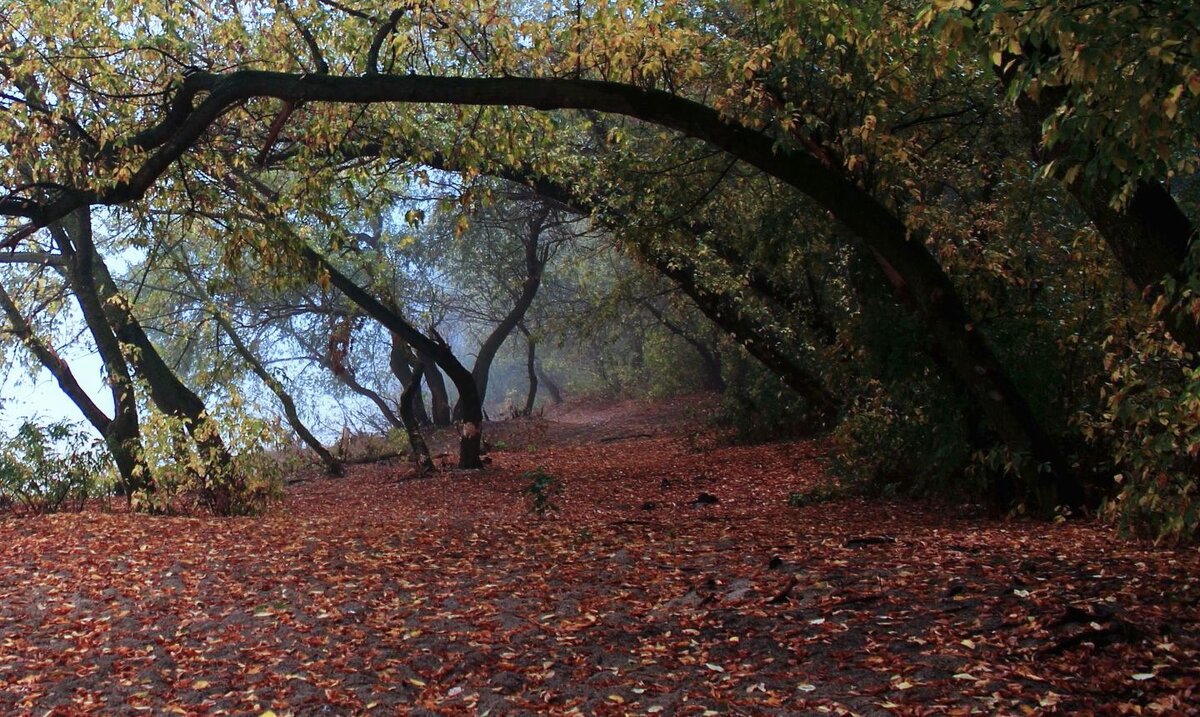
(381, 35)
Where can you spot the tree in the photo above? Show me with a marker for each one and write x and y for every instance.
(827, 110)
(1112, 136)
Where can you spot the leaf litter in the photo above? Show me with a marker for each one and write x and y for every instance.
(446, 596)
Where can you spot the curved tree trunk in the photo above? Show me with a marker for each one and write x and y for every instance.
(352, 383)
(1150, 235)
(535, 263)
(471, 430)
(402, 363)
(122, 435)
(531, 370)
(416, 441)
(221, 483)
(125, 431)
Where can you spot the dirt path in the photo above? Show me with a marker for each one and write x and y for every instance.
(445, 596)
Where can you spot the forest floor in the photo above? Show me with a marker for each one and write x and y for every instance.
(446, 595)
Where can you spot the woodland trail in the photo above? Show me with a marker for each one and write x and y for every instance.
(444, 595)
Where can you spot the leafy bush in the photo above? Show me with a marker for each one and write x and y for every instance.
(1152, 426)
(758, 406)
(184, 480)
(817, 495)
(45, 469)
(543, 488)
(909, 443)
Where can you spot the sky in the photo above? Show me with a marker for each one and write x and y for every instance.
(23, 397)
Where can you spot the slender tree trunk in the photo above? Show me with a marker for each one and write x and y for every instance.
(403, 365)
(535, 263)
(352, 383)
(439, 399)
(125, 430)
(332, 465)
(121, 435)
(531, 370)
(552, 388)
(709, 358)
(221, 482)
(411, 426)
(759, 339)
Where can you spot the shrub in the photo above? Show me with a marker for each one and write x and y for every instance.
(816, 496)
(184, 480)
(758, 406)
(1151, 423)
(543, 488)
(914, 443)
(45, 469)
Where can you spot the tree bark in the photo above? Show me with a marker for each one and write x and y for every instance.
(439, 399)
(412, 427)
(352, 383)
(402, 362)
(121, 435)
(531, 370)
(471, 428)
(221, 482)
(126, 427)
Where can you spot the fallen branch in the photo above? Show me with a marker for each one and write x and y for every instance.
(869, 540)
(378, 458)
(1117, 631)
(628, 437)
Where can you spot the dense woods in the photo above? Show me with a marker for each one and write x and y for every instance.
(954, 235)
(612, 357)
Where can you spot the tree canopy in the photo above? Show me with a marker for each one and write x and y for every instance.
(955, 234)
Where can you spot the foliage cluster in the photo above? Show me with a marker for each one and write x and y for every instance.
(53, 467)
(184, 479)
(541, 492)
(1151, 423)
(957, 231)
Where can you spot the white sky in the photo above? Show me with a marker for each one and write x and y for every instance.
(23, 397)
